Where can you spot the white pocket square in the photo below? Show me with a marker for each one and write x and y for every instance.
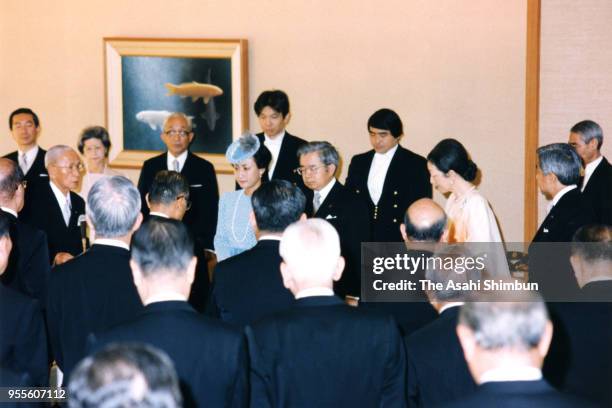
(195, 185)
(330, 217)
(546, 230)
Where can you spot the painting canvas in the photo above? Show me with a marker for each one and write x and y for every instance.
(149, 79)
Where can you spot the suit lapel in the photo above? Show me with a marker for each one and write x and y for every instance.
(328, 205)
(283, 164)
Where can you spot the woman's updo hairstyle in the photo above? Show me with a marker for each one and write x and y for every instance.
(449, 155)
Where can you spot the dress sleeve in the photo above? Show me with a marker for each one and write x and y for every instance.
(222, 239)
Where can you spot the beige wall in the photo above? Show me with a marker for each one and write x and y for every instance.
(576, 70)
(449, 68)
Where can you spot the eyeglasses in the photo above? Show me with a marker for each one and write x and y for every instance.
(187, 201)
(75, 167)
(309, 169)
(174, 132)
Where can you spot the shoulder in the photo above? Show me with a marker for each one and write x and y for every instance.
(363, 157)
(198, 161)
(294, 140)
(410, 156)
(155, 161)
(12, 155)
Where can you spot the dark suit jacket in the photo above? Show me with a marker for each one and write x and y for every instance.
(45, 213)
(248, 286)
(580, 357)
(599, 191)
(406, 181)
(287, 159)
(549, 265)
(38, 171)
(209, 356)
(517, 394)
(348, 213)
(23, 342)
(437, 371)
(201, 219)
(323, 353)
(28, 268)
(88, 294)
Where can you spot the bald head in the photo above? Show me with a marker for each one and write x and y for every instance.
(424, 221)
(11, 188)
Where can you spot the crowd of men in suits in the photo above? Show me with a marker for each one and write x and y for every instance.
(273, 327)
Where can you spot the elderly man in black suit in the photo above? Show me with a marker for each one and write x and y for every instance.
(28, 268)
(557, 175)
(177, 134)
(248, 286)
(587, 137)
(95, 290)
(272, 110)
(168, 197)
(437, 371)
(322, 352)
(209, 356)
(25, 129)
(23, 343)
(580, 357)
(389, 177)
(55, 208)
(504, 344)
(341, 207)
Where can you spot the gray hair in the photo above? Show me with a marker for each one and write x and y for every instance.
(517, 325)
(125, 375)
(113, 205)
(54, 153)
(327, 153)
(311, 247)
(179, 115)
(589, 130)
(562, 160)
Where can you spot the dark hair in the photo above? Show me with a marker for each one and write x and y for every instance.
(95, 132)
(10, 183)
(593, 242)
(562, 160)
(449, 155)
(277, 204)
(386, 119)
(589, 130)
(262, 157)
(431, 234)
(275, 99)
(162, 245)
(4, 225)
(167, 186)
(108, 378)
(22, 111)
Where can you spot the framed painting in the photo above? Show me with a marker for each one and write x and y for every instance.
(147, 79)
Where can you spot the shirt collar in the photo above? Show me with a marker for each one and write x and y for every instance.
(159, 214)
(30, 154)
(182, 158)
(323, 193)
(111, 242)
(388, 155)
(316, 291)
(164, 296)
(278, 140)
(61, 198)
(449, 305)
(560, 194)
(525, 373)
(10, 211)
(270, 238)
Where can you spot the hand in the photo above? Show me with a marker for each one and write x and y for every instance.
(62, 257)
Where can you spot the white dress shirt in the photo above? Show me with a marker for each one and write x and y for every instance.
(111, 242)
(181, 161)
(10, 211)
(63, 201)
(558, 196)
(165, 296)
(30, 156)
(324, 192)
(524, 373)
(378, 173)
(588, 171)
(316, 291)
(274, 146)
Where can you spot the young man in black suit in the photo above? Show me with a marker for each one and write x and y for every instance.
(272, 110)
(389, 177)
(25, 129)
(201, 219)
(587, 137)
(330, 200)
(322, 352)
(504, 344)
(55, 208)
(95, 290)
(209, 356)
(248, 286)
(28, 268)
(23, 343)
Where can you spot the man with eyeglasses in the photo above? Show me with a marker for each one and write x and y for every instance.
(55, 208)
(177, 134)
(330, 200)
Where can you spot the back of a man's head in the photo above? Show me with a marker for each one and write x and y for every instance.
(311, 254)
(166, 187)
(113, 207)
(276, 205)
(125, 375)
(162, 246)
(451, 271)
(11, 177)
(561, 160)
(591, 257)
(424, 221)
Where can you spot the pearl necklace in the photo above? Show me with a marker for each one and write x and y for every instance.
(246, 230)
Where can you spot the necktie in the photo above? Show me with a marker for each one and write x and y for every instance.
(316, 202)
(175, 163)
(67, 210)
(23, 163)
